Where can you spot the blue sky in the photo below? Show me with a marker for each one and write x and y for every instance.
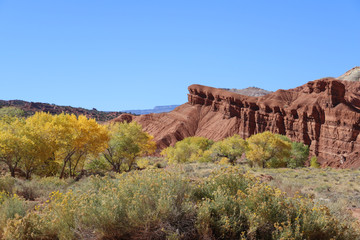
(117, 55)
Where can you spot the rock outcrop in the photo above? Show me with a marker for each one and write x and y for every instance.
(324, 114)
(351, 75)
(250, 91)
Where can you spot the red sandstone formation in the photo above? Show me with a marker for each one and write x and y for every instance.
(324, 114)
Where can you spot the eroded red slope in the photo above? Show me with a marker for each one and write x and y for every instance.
(323, 114)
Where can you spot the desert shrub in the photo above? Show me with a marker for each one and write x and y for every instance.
(11, 206)
(277, 163)
(146, 204)
(39, 187)
(190, 149)
(224, 161)
(98, 164)
(158, 204)
(143, 163)
(7, 184)
(314, 163)
(238, 206)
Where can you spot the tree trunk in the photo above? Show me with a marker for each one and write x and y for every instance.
(28, 174)
(70, 174)
(66, 159)
(76, 164)
(116, 167)
(63, 170)
(12, 171)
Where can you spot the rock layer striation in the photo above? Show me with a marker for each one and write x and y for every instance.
(324, 114)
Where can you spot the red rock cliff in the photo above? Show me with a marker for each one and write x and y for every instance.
(324, 114)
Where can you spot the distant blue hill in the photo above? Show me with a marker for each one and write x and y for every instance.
(157, 109)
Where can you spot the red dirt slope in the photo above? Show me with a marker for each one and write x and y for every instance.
(325, 114)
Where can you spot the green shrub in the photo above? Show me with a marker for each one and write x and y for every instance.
(277, 163)
(99, 164)
(314, 163)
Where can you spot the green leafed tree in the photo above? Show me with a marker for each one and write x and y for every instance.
(299, 153)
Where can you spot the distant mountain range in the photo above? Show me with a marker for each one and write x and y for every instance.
(157, 109)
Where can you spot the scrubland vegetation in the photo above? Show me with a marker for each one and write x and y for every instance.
(167, 204)
(67, 177)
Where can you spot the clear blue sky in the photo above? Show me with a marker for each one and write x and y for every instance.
(116, 55)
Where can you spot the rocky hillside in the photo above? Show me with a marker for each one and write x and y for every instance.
(32, 107)
(324, 114)
(250, 91)
(351, 75)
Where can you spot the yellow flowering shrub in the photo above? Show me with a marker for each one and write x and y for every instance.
(11, 206)
(234, 205)
(159, 204)
(147, 203)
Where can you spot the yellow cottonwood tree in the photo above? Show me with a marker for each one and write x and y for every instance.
(127, 142)
(12, 142)
(78, 137)
(265, 146)
(41, 145)
(189, 149)
(231, 148)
